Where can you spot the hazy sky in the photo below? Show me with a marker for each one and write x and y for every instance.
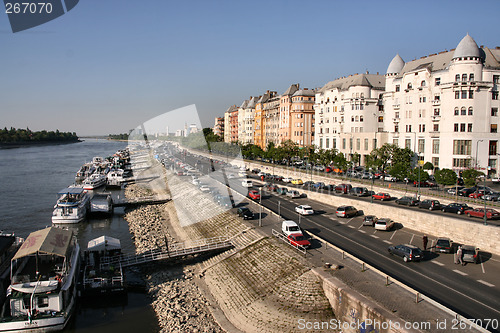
(109, 65)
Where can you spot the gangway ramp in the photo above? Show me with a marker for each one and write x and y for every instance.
(174, 251)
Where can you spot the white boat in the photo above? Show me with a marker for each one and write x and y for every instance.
(101, 203)
(72, 205)
(115, 177)
(94, 181)
(44, 276)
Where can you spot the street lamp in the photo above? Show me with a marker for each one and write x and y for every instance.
(260, 207)
(373, 180)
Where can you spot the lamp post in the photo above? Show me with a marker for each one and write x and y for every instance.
(373, 180)
(477, 149)
(260, 207)
(484, 191)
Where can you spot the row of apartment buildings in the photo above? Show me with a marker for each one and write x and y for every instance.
(443, 106)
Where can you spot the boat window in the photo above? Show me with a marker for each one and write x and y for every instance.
(43, 302)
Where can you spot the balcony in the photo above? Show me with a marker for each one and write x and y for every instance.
(434, 134)
(436, 118)
(436, 102)
(396, 120)
(396, 106)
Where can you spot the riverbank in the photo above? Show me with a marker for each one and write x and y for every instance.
(12, 145)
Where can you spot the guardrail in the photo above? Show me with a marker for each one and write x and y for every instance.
(389, 279)
(282, 237)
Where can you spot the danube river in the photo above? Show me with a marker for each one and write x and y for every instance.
(31, 178)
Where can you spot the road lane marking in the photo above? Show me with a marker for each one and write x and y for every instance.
(374, 236)
(386, 241)
(412, 236)
(351, 226)
(350, 219)
(393, 234)
(362, 231)
(486, 283)
(360, 226)
(437, 263)
(460, 272)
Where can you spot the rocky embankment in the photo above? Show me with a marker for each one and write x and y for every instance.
(175, 297)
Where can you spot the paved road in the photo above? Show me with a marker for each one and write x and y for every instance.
(466, 289)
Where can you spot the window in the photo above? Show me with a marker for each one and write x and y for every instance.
(435, 162)
(457, 77)
(493, 128)
(343, 143)
(396, 114)
(421, 145)
(462, 147)
(395, 141)
(462, 127)
(471, 77)
(436, 111)
(494, 95)
(374, 143)
(496, 78)
(396, 128)
(436, 128)
(493, 147)
(334, 144)
(397, 88)
(366, 144)
(437, 81)
(457, 94)
(358, 144)
(435, 146)
(421, 128)
(471, 94)
(455, 112)
(350, 143)
(455, 127)
(471, 111)
(464, 77)
(381, 119)
(464, 94)
(408, 128)
(409, 86)
(463, 111)
(461, 163)
(494, 112)
(327, 143)
(408, 143)
(423, 84)
(321, 142)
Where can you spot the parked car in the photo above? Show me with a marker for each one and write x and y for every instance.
(293, 194)
(346, 211)
(290, 227)
(389, 178)
(359, 191)
(343, 188)
(287, 180)
(384, 224)
(469, 254)
(409, 201)
(408, 252)
(304, 210)
(443, 245)
(496, 180)
(330, 188)
(465, 192)
(245, 212)
(272, 187)
(308, 184)
(246, 183)
(282, 190)
(299, 239)
(205, 188)
(370, 220)
(381, 196)
(491, 214)
(495, 196)
(454, 190)
(430, 204)
(297, 181)
(455, 207)
(476, 195)
(254, 195)
(319, 185)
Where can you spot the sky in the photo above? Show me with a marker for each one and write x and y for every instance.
(107, 66)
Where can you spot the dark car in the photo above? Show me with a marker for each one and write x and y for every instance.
(319, 185)
(408, 252)
(443, 245)
(359, 191)
(346, 211)
(409, 201)
(430, 204)
(308, 184)
(245, 213)
(466, 191)
(469, 254)
(455, 207)
(343, 188)
(370, 220)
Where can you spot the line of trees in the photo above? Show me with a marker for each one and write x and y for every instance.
(123, 136)
(15, 136)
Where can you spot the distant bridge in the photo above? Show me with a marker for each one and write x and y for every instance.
(174, 250)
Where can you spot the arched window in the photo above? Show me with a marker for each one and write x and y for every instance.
(357, 118)
(423, 83)
(471, 77)
(463, 111)
(456, 112)
(464, 77)
(362, 95)
(457, 77)
(471, 111)
(409, 86)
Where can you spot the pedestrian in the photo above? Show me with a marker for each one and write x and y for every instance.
(425, 240)
(459, 256)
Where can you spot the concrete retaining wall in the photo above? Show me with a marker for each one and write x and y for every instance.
(354, 311)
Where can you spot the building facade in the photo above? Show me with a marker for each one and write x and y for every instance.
(271, 121)
(219, 126)
(445, 106)
(302, 117)
(285, 108)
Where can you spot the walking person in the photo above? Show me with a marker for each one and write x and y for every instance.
(425, 240)
(459, 254)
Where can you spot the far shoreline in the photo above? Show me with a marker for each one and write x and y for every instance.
(12, 145)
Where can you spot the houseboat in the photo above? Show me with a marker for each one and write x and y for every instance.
(94, 181)
(43, 289)
(72, 205)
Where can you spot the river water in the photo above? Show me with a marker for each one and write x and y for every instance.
(30, 180)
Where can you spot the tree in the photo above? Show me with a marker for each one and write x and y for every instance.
(417, 173)
(470, 176)
(380, 157)
(428, 166)
(445, 177)
(399, 170)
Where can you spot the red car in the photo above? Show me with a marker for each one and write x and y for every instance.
(381, 196)
(254, 195)
(479, 212)
(299, 239)
(476, 195)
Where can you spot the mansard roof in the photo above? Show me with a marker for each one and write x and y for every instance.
(367, 80)
(304, 92)
(291, 90)
(232, 108)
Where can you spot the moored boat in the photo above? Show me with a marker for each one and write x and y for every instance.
(44, 275)
(94, 181)
(72, 205)
(101, 203)
(115, 177)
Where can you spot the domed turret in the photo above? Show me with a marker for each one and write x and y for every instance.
(466, 48)
(396, 65)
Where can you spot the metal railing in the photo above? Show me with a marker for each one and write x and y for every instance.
(283, 238)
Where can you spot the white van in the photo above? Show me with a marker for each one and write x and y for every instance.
(290, 227)
(246, 183)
